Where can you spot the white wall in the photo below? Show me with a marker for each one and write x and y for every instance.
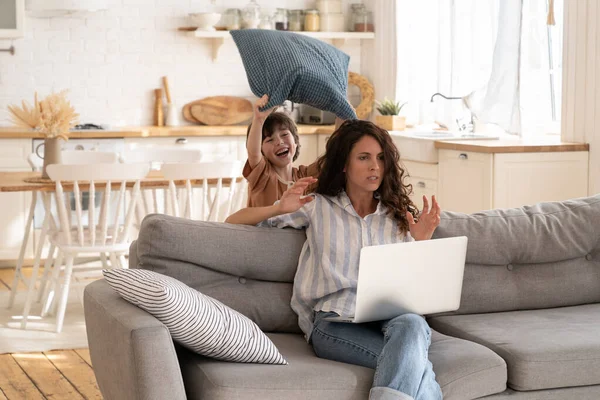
(113, 60)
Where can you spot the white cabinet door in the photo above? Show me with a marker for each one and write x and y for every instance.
(14, 206)
(528, 178)
(308, 151)
(213, 148)
(424, 180)
(422, 187)
(465, 181)
(321, 143)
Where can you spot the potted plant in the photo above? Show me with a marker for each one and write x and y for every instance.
(53, 117)
(390, 119)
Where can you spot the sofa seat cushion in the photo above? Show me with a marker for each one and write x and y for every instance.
(464, 369)
(550, 348)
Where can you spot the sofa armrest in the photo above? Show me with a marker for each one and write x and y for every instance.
(132, 352)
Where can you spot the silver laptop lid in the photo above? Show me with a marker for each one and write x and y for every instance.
(421, 277)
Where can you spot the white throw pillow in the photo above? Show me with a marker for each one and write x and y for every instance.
(196, 321)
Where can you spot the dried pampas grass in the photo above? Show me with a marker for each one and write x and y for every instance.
(54, 116)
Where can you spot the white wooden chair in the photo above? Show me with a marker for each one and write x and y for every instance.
(154, 200)
(68, 157)
(71, 234)
(201, 199)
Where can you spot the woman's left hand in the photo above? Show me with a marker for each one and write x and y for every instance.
(429, 219)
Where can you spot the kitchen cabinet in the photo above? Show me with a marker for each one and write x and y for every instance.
(529, 178)
(322, 143)
(424, 180)
(471, 181)
(15, 206)
(309, 150)
(213, 148)
(12, 18)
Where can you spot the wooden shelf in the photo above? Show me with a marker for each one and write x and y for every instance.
(338, 38)
(159, 131)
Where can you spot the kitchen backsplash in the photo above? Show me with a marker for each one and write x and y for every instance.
(111, 61)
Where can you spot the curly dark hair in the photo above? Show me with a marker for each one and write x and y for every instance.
(279, 120)
(393, 193)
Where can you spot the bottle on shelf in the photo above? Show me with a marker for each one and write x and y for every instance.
(281, 20)
(364, 21)
(312, 21)
(296, 20)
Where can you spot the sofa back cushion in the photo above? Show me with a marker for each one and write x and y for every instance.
(540, 256)
(247, 268)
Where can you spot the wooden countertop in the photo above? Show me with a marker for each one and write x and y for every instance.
(14, 182)
(156, 131)
(533, 145)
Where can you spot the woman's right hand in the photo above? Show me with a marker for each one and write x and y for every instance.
(260, 116)
(293, 199)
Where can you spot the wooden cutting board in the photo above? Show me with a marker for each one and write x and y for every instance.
(219, 110)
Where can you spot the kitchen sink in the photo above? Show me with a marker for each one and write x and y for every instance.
(420, 145)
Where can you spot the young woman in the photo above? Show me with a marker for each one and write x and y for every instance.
(359, 201)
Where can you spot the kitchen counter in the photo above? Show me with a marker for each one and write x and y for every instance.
(510, 145)
(156, 131)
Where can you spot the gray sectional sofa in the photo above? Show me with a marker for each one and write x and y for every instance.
(528, 326)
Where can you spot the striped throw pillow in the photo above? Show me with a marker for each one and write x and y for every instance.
(196, 321)
(291, 66)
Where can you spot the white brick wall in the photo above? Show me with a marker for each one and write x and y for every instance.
(112, 61)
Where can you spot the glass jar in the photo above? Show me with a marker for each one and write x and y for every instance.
(281, 20)
(312, 21)
(364, 21)
(332, 22)
(355, 9)
(296, 20)
(329, 6)
(266, 22)
(232, 18)
(251, 15)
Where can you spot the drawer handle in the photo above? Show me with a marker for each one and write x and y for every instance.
(181, 140)
(421, 184)
(463, 156)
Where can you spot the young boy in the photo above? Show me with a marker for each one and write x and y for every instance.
(272, 145)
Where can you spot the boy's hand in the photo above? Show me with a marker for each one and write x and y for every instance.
(428, 220)
(292, 199)
(260, 116)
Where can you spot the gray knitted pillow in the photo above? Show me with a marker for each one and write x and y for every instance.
(291, 66)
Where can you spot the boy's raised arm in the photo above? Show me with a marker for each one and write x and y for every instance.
(254, 142)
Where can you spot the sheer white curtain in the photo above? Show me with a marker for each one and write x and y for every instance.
(493, 53)
(498, 100)
(443, 46)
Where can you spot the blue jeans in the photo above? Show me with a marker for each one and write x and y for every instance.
(397, 349)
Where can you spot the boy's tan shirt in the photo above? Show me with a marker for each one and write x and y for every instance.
(264, 186)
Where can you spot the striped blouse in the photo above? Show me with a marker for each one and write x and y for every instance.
(327, 273)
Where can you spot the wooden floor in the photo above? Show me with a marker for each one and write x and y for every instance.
(57, 374)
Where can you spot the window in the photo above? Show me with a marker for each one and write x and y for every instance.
(448, 46)
(541, 68)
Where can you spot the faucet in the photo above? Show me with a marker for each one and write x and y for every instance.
(447, 98)
(461, 126)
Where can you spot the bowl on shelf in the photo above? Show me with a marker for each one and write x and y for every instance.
(205, 21)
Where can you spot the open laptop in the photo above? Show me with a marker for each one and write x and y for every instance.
(421, 277)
